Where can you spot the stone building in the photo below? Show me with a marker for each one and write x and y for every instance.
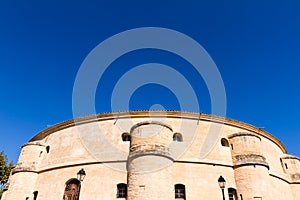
(142, 155)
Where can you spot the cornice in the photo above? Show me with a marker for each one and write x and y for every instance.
(288, 156)
(36, 143)
(243, 134)
(168, 114)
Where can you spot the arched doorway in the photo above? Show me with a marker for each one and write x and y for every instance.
(71, 189)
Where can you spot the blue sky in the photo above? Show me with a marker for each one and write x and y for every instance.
(255, 45)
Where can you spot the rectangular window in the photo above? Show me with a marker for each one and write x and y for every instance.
(122, 190)
(122, 193)
(179, 191)
(232, 194)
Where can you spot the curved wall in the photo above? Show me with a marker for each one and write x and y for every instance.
(251, 160)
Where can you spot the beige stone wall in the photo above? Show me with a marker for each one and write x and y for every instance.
(150, 162)
(255, 166)
(22, 185)
(253, 181)
(295, 190)
(100, 182)
(281, 190)
(200, 180)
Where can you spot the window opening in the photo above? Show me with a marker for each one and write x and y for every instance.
(177, 137)
(126, 137)
(35, 195)
(121, 190)
(224, 142)
(47, 149)
(232, 194)
(180, 191)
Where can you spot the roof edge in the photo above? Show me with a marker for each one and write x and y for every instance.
(157, 113)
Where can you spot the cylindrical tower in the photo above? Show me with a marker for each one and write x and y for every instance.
(291, 166)
(250, 166)
(24, 175)
(149, 163)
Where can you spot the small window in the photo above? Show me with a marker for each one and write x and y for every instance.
(232, 194)
(47, 149)
(35, 194)
(121, 190)
(177, 137)
(126, 137)
(231, 146)
(180, 191)
(286, 166)
(224, 142)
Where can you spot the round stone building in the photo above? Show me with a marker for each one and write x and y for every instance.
(143, 155)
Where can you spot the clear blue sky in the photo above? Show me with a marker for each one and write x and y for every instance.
(255, 45)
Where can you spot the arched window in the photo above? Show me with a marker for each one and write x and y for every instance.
(224, 142)
(180, 191)
(71, 189)
(126, 137)
(177, 137)
(232, 194)
(121, 190)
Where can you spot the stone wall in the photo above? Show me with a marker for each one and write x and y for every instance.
(251, 160)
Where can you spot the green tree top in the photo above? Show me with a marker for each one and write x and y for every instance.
(5, 169)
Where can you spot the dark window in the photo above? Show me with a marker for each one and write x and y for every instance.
(126, 137)
(179, 191)
(231, 146)
(35, 194)
(286, 166)
(177, 137)
(224, 142)
(121, 190)
(47, 149)
(232, 194)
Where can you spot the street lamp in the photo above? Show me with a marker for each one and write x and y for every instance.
(80, 176)
(222, 183)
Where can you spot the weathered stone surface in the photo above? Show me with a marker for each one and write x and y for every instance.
(254, 162)
(250, 159)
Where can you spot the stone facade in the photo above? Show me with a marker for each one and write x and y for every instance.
(144, 155)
